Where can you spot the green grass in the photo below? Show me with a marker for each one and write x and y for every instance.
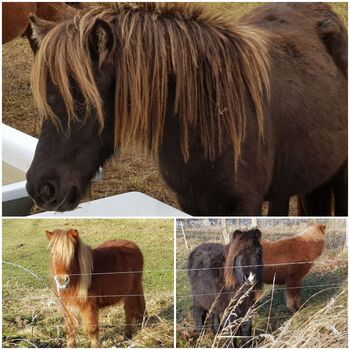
(31, 316)
(327, 279)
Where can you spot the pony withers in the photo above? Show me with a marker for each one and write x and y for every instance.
(225, 105)
(223, 281)
(88, 279)
(287, 261)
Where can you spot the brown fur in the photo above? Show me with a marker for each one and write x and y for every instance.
(15, 17)
(235, 49)
(305, 247)
(93, 284)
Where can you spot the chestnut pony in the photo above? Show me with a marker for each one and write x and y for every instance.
(15, 18)
(225, 277)
(236, 111)
(88, 279)
(294, 257)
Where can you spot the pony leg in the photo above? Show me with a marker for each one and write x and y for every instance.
(70, 324)
(199, 316)
(293, 290)
(318, 202)
(215, 323)
(130, 310)
(340, 188)
(90, 317)
(246, 331)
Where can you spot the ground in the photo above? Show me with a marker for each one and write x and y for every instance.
(131, 172)
(324, 292)
(31, 314)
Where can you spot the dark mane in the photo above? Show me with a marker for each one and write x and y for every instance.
(217, 64)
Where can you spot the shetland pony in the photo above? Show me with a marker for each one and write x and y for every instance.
(219, 274)
(15, 18)
(302, 250)
(88, 279)
(235, 110)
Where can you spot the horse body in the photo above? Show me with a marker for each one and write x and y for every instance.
(292, 140)
(96, 278)
(302, 250)
(247, 125)
(218, 275)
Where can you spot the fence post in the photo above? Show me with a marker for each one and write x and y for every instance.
(183, 233)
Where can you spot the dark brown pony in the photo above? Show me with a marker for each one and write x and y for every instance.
(236, 111)
(88, 279)
(289, 260)
(223, 281)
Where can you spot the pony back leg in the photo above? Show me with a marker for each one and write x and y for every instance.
(316, 203)
(340, 188)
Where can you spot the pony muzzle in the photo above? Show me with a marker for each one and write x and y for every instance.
(62, 282)
(251, 279)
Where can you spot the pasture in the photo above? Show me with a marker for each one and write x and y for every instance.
(131, 171)
(31, 312)
(322, 320)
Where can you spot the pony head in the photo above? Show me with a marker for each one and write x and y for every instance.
(104, 78)
(244, 263)
(77, 109)
(71, 261)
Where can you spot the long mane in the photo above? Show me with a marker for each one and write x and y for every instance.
(219, 67)
(234, 248)
(65, 248)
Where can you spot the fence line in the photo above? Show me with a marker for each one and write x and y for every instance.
(331, 286)
(314, 262)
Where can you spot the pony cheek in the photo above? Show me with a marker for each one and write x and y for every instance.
(238, 271)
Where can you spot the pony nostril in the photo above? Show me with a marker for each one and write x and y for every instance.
(47, 192)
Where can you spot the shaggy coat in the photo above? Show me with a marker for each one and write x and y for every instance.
(302, 250)
(235, 110)
(89, 279)
(218, 276)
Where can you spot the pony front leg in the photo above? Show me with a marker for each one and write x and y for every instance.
(90, 317)
(246, 333)
(70, 324)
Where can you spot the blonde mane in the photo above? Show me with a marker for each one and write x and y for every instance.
(219, 65)
(64, 247)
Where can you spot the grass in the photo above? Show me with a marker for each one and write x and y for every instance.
(324, 293)
(132, 171)
(31, 315)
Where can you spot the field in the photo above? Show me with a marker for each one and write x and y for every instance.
(321, 322)
(131, 171)
(31, 312)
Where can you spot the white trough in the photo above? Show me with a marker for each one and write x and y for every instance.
(17, 154)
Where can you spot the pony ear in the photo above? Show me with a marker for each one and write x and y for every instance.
(73, 233)
(40, 27)
(49, 235)
(235, 234)
(322, 228)
(257, 234)
(101, 40)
